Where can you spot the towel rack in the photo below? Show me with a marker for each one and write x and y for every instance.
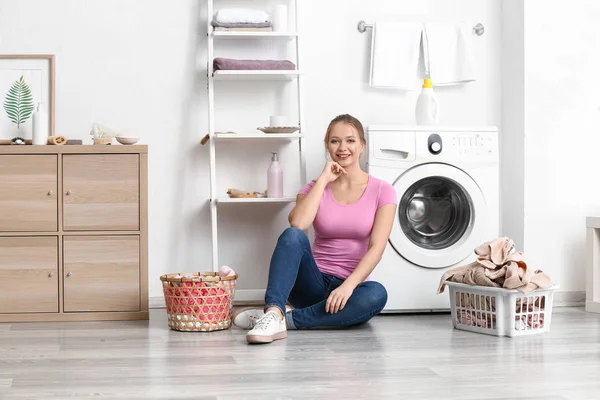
(363, 26)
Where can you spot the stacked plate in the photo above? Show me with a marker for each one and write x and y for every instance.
(278, 129)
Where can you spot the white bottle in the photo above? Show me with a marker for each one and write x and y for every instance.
(275, 178)
(39, 126)
(427, 110)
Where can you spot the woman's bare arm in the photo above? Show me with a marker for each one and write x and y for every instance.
(303, 215)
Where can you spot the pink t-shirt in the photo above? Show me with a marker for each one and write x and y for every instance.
(343, 231)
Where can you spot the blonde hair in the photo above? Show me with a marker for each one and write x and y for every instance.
(350, 120)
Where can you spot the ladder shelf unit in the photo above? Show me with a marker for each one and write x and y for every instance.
(247, 38)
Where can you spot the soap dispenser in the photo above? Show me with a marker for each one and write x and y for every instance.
(275, 178)
(427, 110)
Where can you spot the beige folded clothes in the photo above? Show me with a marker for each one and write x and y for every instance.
(498, 265)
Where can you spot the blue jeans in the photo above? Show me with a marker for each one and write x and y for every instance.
(294, 276)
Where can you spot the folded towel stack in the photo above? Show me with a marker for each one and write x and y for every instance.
(241, 19)
(221, 63)
(245, 19)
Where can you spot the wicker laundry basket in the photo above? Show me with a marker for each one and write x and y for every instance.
(500, 312)
(198, 301)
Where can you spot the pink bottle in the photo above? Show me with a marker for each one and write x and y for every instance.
(275, 178)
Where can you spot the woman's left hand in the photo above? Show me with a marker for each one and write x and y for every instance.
(338, 298)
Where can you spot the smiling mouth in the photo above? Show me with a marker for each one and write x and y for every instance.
(343, 156)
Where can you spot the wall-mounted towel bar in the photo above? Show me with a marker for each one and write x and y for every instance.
(362, 27)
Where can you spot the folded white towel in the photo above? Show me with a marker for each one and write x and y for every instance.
(448, 53)
(241, 15)
(395, 51)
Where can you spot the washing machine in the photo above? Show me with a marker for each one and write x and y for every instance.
(447, 184)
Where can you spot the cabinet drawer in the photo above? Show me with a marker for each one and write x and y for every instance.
(101, 192)
(28, 198)
(101, 273)
(29, 274)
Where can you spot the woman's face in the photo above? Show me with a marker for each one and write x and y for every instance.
(344, 144)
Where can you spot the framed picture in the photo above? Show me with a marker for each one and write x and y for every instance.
(26, 81)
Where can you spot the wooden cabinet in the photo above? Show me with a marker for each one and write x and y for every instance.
(101, 273)
(73, 233)
(28, 193)
(28, 274)
(101, 191)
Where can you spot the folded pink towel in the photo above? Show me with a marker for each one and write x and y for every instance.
(220, 63)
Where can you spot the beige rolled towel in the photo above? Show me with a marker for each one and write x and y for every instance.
(57, 140)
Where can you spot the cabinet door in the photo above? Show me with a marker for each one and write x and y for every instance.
(101, 273)
(28, 274)
(28, 185)
(101, 192)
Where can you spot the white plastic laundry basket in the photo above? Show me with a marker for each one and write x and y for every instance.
(500, 312)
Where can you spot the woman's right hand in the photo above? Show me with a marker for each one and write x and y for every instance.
(332, 171)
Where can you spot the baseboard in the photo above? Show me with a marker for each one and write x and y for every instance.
(592, 306)
(257, 296)
(243, 297)
(569, 299)
(249, 297)
(156, 302)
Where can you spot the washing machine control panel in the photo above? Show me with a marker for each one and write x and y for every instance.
(389, 147)
(463, 145)
(473, 145)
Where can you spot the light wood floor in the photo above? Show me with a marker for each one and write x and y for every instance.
(393, 356)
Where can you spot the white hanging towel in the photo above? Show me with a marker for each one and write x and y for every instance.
(395, 51)
(448, 52)
(241, 16)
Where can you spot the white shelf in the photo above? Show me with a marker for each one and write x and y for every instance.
(235, 136)
(255, 74)
(255, 200)
(283, 82)
(250, 34)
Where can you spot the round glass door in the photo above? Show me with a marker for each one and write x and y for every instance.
(440, 213)
(435, 213)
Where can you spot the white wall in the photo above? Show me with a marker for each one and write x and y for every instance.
(512, 136)
(562, 135)
(139, 65)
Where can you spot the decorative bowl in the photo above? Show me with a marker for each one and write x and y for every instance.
(127, 140)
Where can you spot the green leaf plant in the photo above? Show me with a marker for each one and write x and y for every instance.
(19, 102)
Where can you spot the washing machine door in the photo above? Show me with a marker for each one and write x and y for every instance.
(441, 215)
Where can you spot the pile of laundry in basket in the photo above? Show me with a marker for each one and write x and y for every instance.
(482, 311)
(499, 265)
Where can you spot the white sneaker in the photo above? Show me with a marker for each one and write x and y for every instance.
(246, 317)
(268, 328)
